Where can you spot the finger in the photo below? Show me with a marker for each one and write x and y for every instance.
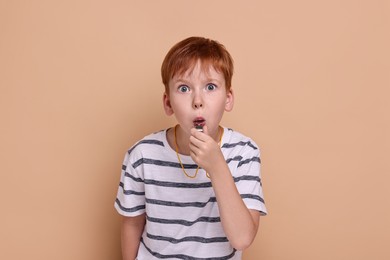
(206, 130)
(194, 142)
(194, 153)
(198, 135)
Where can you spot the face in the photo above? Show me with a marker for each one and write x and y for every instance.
(198, 97)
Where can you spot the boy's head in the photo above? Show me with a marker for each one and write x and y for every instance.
(185, 54)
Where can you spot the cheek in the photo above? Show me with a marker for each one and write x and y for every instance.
(220, 105)
(179, 108)
(221, 109)
(178, 104)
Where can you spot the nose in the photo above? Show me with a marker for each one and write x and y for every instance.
(198, 105)
(198, 101)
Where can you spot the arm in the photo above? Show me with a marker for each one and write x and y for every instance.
(240, 224)
(131, 231)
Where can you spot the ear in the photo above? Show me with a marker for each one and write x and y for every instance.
(167, 105)
(229, 100)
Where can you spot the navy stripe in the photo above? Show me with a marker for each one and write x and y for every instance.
(251, 196)
(189, 239)
(134, 178)
(179, 184)
(187, 166)
(188, 185)
(146, 141)
(183, 222)
(129, 209)
(163, 163)
(170, 184)
(240, 144)
(130, 192)
(247, 178)
(181, 204)
(186, 257)
(253, 159)
(236, 158)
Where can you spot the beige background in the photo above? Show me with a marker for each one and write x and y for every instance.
(80, 84)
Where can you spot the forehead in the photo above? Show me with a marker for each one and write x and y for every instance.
(200, 69)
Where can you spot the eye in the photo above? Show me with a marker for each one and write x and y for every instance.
(183, 88)
(211, 87)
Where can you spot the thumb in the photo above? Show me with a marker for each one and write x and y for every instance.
(205, 130)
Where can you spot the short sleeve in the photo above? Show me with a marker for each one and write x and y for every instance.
(248, 179)
(130, 199)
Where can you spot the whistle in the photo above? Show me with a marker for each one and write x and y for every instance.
(199, 128)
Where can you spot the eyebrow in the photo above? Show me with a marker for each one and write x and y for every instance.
(180, 80)
(208, 80)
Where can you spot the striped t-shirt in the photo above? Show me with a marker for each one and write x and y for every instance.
(182, 217)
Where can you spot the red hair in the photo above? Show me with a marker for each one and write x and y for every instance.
(184, 55)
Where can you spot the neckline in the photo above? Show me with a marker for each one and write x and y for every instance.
(171, 149)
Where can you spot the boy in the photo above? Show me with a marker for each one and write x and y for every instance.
(192, 191)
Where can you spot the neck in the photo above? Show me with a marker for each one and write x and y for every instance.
(181, 142)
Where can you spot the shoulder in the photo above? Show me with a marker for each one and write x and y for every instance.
(238, 141)
(149, 143)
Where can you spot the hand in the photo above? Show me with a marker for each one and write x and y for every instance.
(205, 151)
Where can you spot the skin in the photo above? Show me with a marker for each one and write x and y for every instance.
(197, 94)
(202, 93)
(131, 231)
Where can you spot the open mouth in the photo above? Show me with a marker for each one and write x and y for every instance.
(199, 122)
